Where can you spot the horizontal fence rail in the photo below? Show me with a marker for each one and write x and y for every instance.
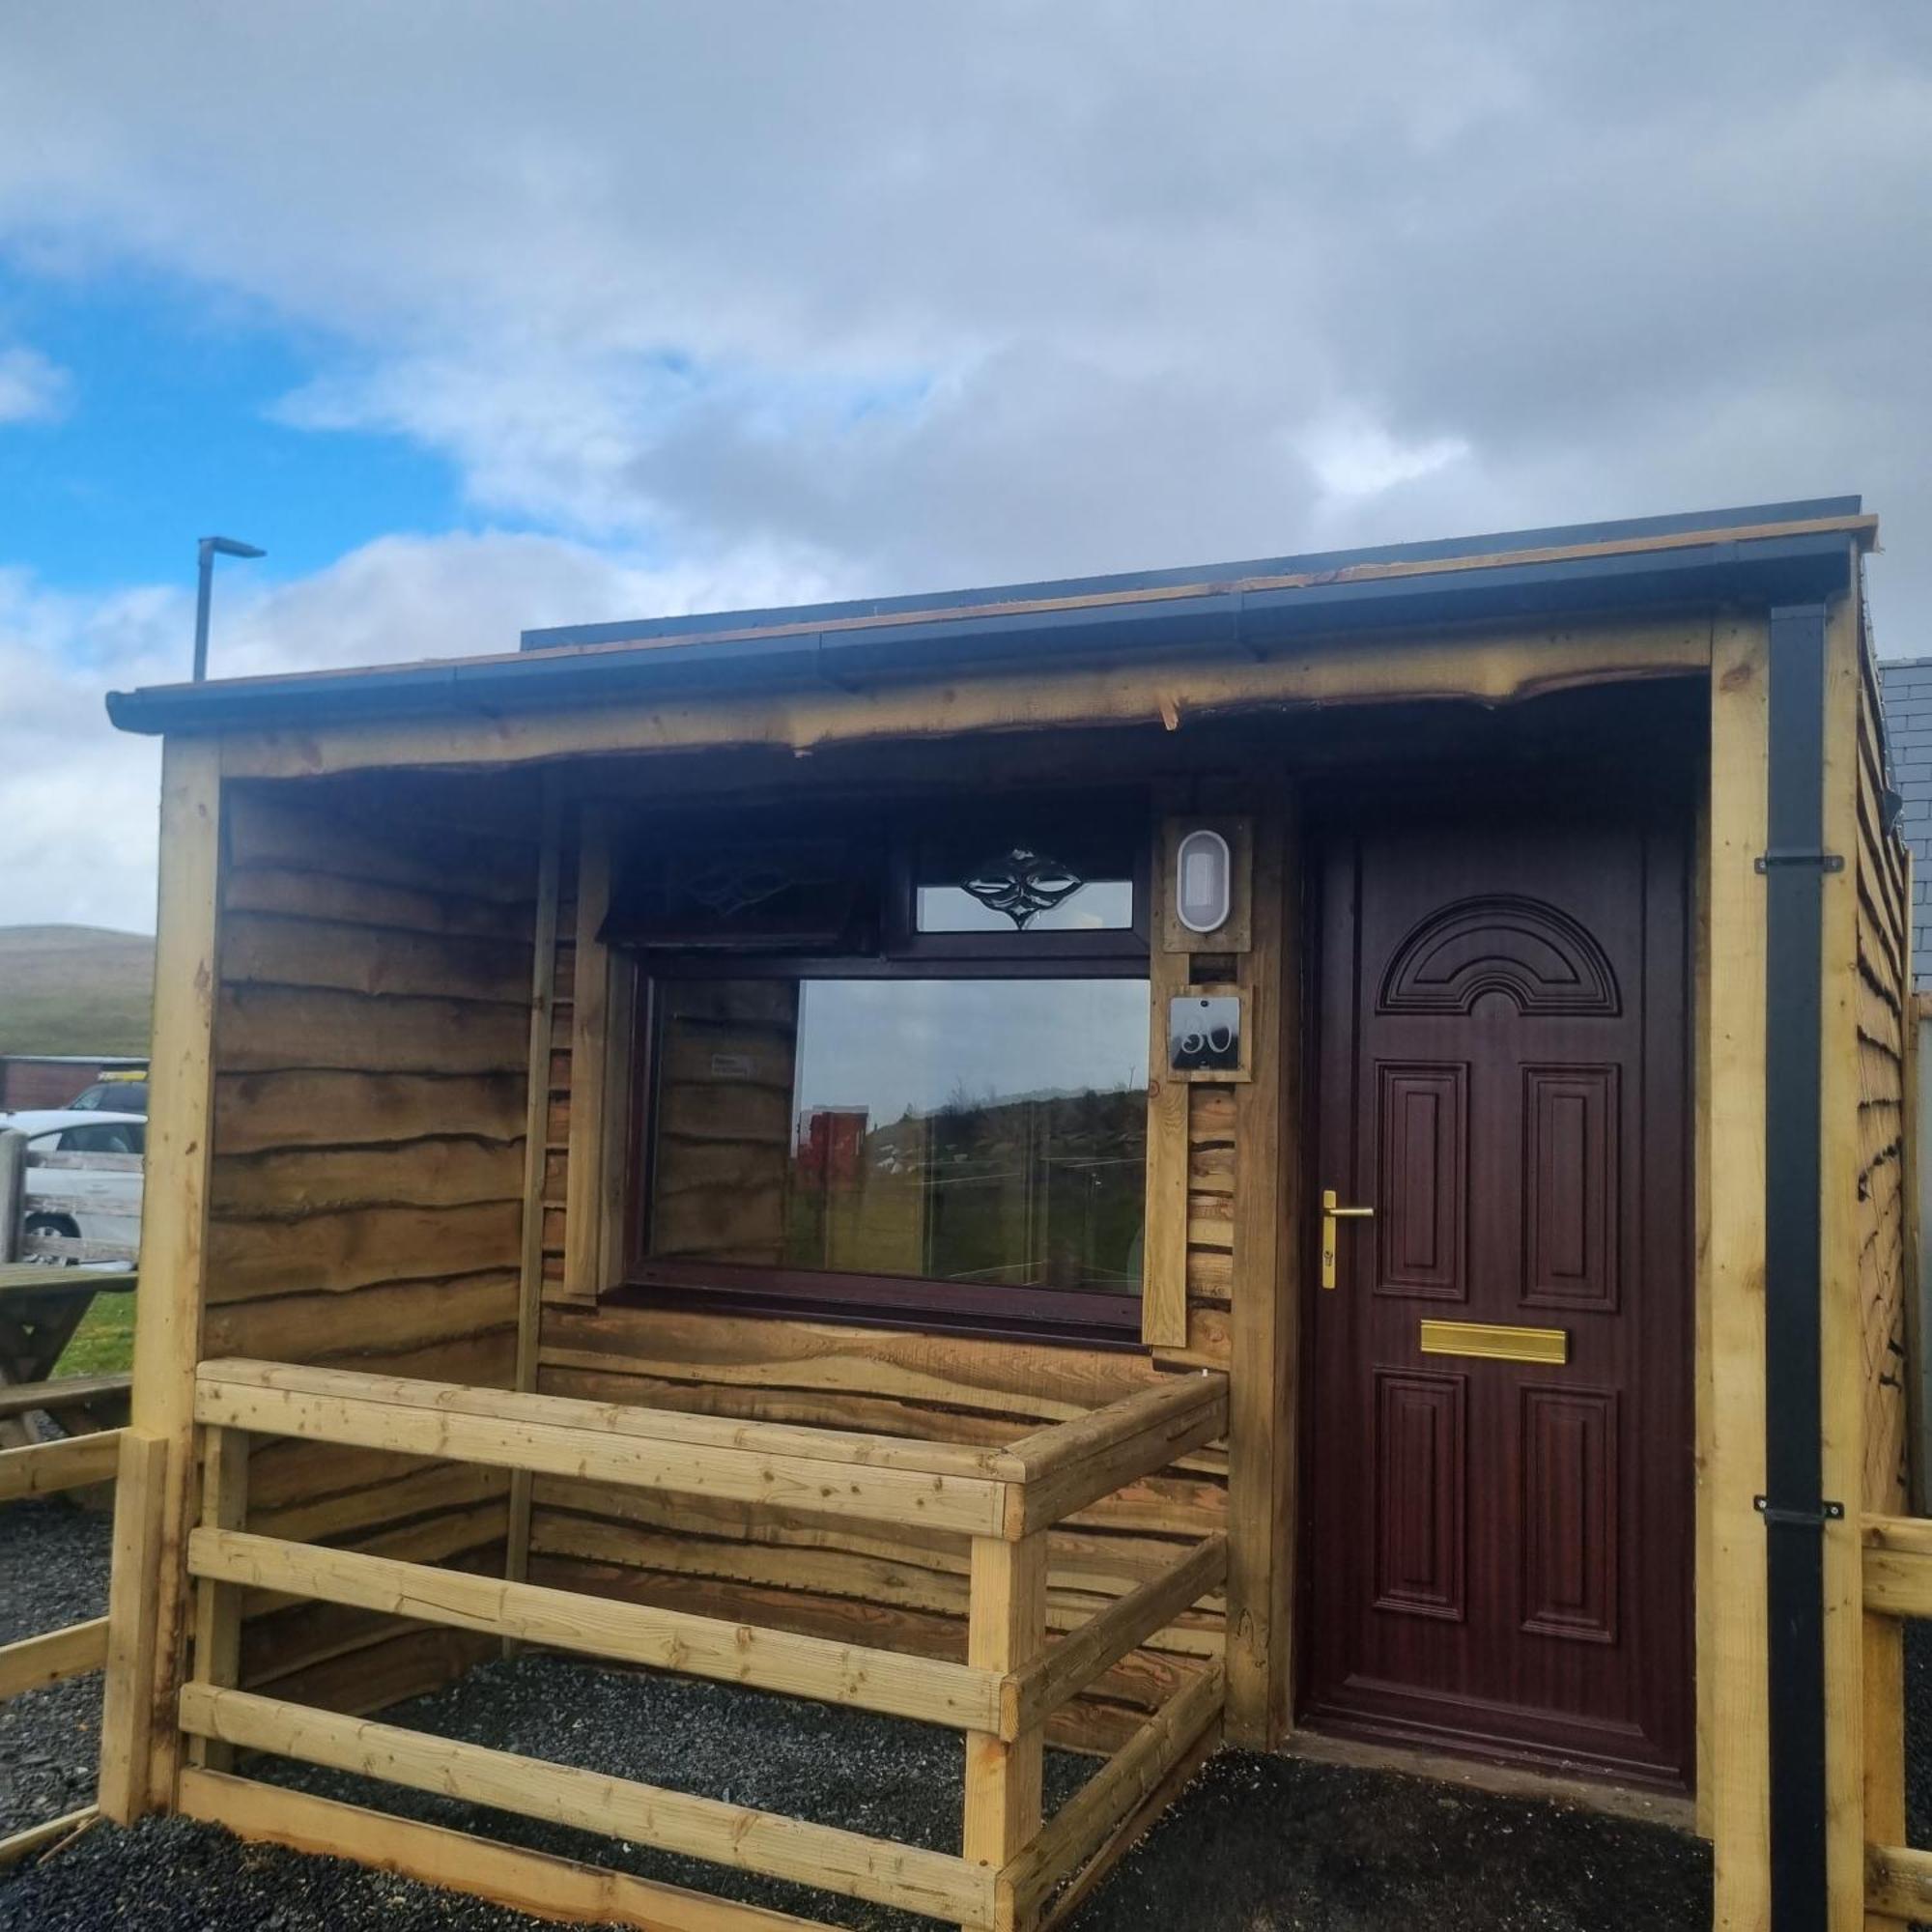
(932, 1883)
(1063, 1672)
(598, 1441)
(35, 1662)
(1184, 1728)
(68, 1392)
(1014, 1872)
(71, 1251)
(47, 1469)
(1009, 1493)
(538, 1882)
(1897, 1582)
(53, 1657)
(926, 1689)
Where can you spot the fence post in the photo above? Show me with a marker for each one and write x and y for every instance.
(174, 1230)
(1884, 1741)
(130, 1708)
(217, 1614)
(1005, 1630)
(12, 1190)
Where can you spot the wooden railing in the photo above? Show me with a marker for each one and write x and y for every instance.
(45, 1470)
(1897, 1585)
(1014, 1871)
(40, 1308)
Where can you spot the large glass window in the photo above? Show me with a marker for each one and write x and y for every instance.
(970, 1144)
(895, 1058)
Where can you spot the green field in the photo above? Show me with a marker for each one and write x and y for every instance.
(103, 1345)
(75, 989)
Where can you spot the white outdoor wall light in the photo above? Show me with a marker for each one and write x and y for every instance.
(1203, 881)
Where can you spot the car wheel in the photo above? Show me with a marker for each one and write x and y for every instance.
(58, 1225)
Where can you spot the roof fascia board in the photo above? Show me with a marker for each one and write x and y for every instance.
(1634, 531)
(1232, 618)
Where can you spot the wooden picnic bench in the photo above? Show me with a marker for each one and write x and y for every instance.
(39, 1309)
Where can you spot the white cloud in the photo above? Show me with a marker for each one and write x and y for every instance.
(1352, 457)
(956, 294)
(78, 802)
(79, 799)
(771, 300)
(31, 388)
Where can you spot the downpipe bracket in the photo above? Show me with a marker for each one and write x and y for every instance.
(1822, 862)
(1797, 1519)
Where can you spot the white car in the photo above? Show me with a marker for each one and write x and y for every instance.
(119, 1095)
(93, 1192)
(38, 1120)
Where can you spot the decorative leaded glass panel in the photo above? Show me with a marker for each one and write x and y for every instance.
(1046, 878)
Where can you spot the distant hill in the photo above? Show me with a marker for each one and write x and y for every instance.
(75, 989)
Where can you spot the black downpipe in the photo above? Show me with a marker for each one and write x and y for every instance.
(1793, 1505)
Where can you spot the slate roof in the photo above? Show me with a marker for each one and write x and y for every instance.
(1907, 687)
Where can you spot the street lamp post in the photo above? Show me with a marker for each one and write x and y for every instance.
(211, 547)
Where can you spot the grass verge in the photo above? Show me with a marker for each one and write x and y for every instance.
(103, 1345)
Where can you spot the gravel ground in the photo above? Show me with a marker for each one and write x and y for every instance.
(1256, 1844)
(1919, 1732)
(53, 1571)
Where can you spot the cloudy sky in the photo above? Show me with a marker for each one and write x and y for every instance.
(488, 314)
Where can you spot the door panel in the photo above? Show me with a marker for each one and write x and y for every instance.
(1572, 1153)
(1570, 1513)
(1420, 1470)
(1498, 1550)
(1424, 1116)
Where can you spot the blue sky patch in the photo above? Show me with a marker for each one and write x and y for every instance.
(167, 435)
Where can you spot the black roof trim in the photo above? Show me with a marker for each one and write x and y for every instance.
(1440, 550)
(1206, 609)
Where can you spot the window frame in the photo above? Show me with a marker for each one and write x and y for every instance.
(918, 1304)
(903, 944)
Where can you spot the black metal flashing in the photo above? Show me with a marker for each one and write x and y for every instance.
(1443, 550)
(1105, 620)
(1794, 1507)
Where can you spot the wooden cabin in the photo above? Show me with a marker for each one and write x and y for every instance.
(1304, 1147)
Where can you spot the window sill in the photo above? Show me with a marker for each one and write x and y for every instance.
(902, 1313)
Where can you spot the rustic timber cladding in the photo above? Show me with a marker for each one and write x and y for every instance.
(557, 1074)
(1884, 1015)
(371, 1056)
(383, 979)
(598, 1043)
(895, 1589)
(791, 1572)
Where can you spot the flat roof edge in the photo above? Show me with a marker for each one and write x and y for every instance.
(1443, 550)
(1785, 562)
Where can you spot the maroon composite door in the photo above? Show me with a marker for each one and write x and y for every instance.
(1499, 1546)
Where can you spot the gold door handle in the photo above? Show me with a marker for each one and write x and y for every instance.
(1332, 1212)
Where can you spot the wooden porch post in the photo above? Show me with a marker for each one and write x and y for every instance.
(536, 1153)
(1264, 1407)
(1732, 1665)
(140, 1739)
(598, 1043)
(1006, 1630)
